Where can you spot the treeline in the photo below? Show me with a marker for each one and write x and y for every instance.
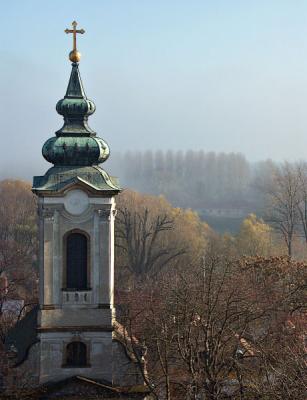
(193, 179)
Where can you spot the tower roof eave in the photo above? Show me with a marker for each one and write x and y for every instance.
(59, 179)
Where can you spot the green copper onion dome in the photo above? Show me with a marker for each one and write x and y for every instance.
(75, 151)
(75, 144)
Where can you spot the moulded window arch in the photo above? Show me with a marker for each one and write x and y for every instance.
(76, 245)
(76, 354)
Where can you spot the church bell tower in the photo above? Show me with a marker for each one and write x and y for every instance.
(76, 200)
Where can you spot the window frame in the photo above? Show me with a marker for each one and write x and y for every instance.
(87, 354)
(88, 261)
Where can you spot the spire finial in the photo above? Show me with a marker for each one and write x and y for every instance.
(74, 55)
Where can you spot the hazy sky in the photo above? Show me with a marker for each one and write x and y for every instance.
(219, 75)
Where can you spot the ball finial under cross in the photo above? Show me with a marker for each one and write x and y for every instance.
(74, 55)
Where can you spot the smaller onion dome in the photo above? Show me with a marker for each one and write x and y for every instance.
(75, 107)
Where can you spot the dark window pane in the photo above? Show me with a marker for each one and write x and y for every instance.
(76, 257)
(76, 354)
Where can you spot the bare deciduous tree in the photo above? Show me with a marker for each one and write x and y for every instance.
(151, 234)
(138, 234)
(219, 330)
(284, 198)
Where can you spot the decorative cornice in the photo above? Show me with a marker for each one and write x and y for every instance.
(73, 329)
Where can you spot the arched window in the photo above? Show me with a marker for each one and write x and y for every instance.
(76, 354)
(76, 261)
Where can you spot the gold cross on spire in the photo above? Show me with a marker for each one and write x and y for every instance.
(74, 55)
